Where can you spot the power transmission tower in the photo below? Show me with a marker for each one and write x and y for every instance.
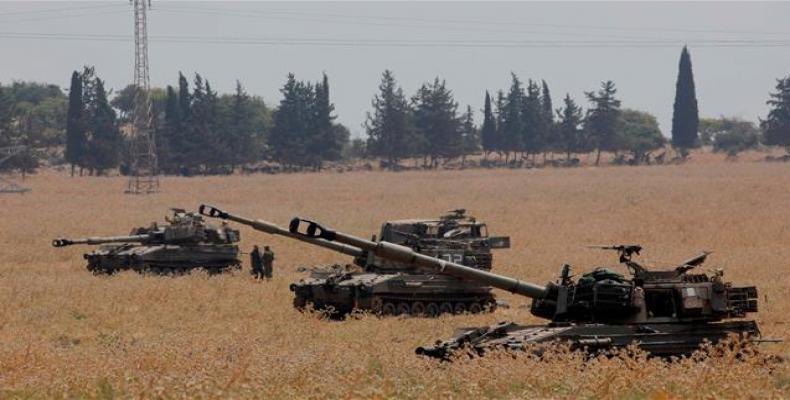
(143, 171)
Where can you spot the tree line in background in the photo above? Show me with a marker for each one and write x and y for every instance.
(518, 125)
(199, 131)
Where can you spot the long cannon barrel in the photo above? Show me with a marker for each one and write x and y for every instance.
(272, 229)
(391, 251)
(100, 240)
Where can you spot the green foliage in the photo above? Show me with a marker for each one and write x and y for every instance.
(470, 135)
(205, 149)
(534, 129)
(639, 134)
(304, 132)
(328, 138)
(435, 116)
(76, 137)
(34, 92)
(569, 128)
(124, 101)
(602, 118)
(31, 114)
(292, 119)
(777, 124)
(488, 132)
(357, 149)
(105, 138)
(707, 128)
(685, 116)
(243, 124)
(390, 131)
(735, 135)
(6, 117)
(511, 125)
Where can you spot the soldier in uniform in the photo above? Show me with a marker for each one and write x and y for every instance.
(256, 262)
(268, 262)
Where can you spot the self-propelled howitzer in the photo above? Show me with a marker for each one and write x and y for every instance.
(184, 243)
(390, 287)
(666, 313)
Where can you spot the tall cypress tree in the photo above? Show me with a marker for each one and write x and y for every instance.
(685, 116)
(325, 142)
(76, 140)
(499, 138)
(777, 124)
(545, 101)
(6, 116)
(550, 140)
(105, 142)
(488, 130)
(470, 135)
(204, 150)
(169, 160)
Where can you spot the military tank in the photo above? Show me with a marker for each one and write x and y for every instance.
(391, 287)
(666, 313)
(186, 242)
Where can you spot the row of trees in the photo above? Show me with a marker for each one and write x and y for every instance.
(93, 139)
(428, 125)
(200, 131)
(519, 123)
(304, 133)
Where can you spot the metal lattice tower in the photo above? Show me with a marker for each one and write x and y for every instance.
(143, 169)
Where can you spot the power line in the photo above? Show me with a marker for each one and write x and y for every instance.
(357, 19)
(65, 16)
(323, 42)
(60, 10)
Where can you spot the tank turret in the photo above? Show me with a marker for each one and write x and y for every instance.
(395, 252)
(667, 313)
(389, 286)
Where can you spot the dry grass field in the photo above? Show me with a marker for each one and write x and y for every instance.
(66, 333)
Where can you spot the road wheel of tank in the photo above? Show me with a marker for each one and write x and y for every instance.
(475, 308)
(389, 309)
(432, 309)
(376, 306)
(490, 306)
(300, 303)
(445, 308)
(403, 309)
(459, 308)
(418, 309)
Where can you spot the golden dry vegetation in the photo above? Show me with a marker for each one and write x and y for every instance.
(66, 333)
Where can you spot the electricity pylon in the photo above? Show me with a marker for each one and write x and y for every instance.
(143, 171)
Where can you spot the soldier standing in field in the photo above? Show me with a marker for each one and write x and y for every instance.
(268, 262)
(256, 263)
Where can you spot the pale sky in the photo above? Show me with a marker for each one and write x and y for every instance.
(737, 49)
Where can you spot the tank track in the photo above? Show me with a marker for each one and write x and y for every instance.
(164, 269)
(386, 306)
(416, 307)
